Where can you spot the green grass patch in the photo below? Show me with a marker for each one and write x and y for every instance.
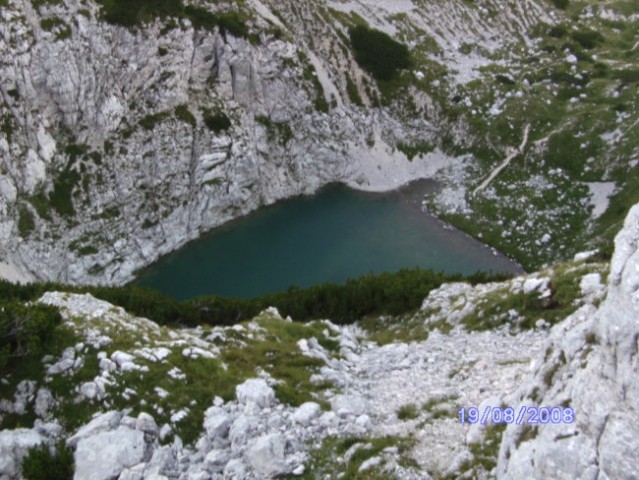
(494, 309)
(150, 121)
(322, 462)
(183, 114)
(408, 412)
(41, 464)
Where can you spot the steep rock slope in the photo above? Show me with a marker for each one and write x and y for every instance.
(589, 362)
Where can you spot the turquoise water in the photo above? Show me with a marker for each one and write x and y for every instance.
(329, 237)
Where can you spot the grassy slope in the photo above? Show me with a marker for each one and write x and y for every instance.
(573, 108)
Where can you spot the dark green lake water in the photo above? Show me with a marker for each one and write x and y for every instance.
(329, 237)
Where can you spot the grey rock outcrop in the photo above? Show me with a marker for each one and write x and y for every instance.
(589, 364)
(105, 455)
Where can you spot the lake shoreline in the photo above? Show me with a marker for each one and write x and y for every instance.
(351, 233)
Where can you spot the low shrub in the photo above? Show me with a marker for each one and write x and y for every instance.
(26, 221)
(24, 331)
(61, 196)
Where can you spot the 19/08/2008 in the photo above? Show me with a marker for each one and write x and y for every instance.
(524, 414)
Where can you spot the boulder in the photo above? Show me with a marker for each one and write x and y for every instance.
(257, 391)
(105, 455)
(535, 285)
(146, 423)
(266, 456)
(306, 413)
(216, 460)
(235, 470)
(105, 422)
(217, 423)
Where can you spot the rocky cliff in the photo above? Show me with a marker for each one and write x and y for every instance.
(107, 161)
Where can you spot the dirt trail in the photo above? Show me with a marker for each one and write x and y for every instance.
(512, 154)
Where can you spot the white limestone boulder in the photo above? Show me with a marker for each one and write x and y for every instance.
(257, 391)
(105, 455)
(267, 456)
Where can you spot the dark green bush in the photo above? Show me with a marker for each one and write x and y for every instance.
(150, 121)
(40, 464)
(216, 121)
(38, 3)
(560, 4)
(378, 53)
(558, 31)
(627, 75)
(26, 221)
(131, 13)
(61, 196)
(588, 39)
(49, 24)
(24, 330)
(504, 79)
(200, 17)
(230, 22)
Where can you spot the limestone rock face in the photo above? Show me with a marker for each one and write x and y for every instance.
(590, 364)
(98, 108)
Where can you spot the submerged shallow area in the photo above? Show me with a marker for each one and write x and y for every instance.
(337, 234)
